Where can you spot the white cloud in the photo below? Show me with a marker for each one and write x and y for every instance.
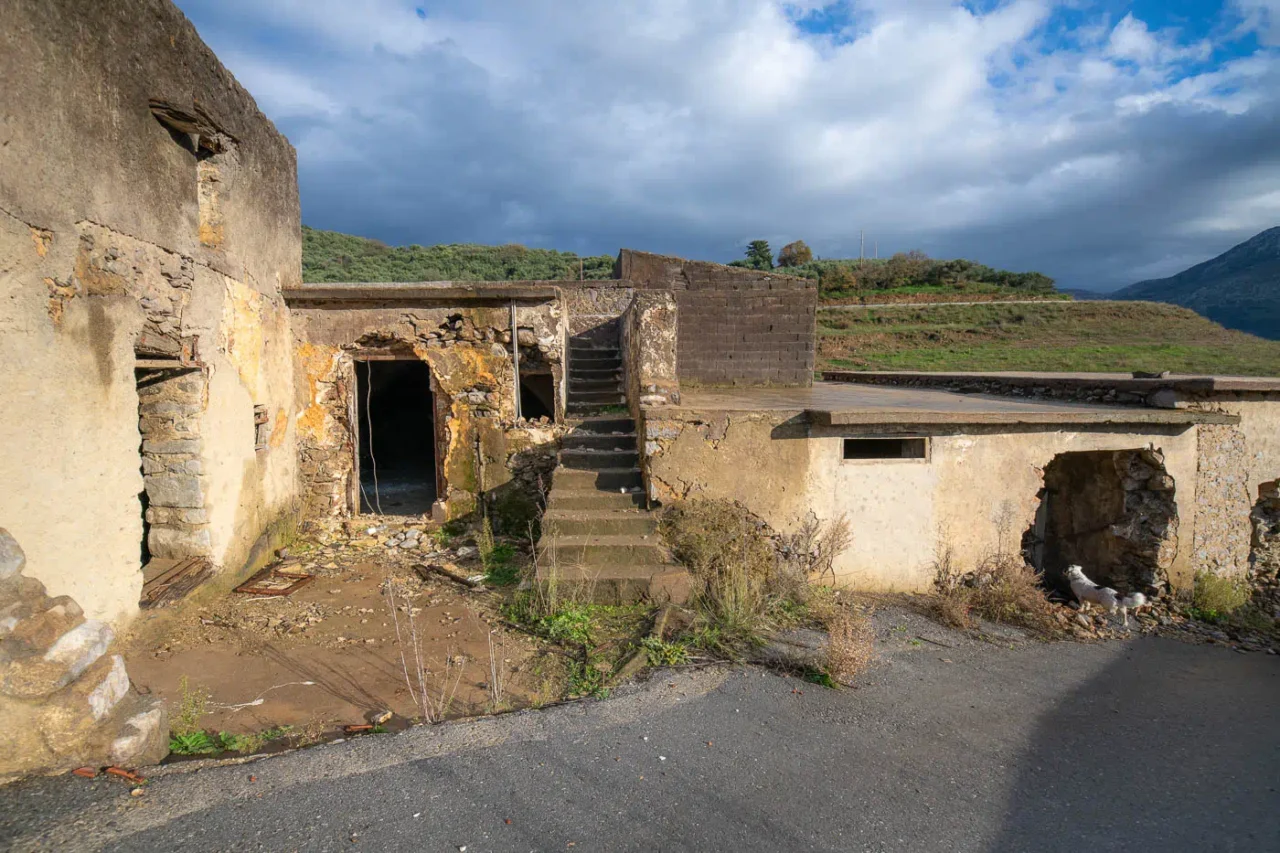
(689, 125)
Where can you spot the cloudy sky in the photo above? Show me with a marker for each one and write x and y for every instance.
(1098, 142)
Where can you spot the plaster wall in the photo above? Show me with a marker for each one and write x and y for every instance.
(105, 249)
(975, 492)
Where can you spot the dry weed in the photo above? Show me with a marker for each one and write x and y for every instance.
(811, 550)
(732, 560)
(1001, 588)
(850, 645)
(1008, 590)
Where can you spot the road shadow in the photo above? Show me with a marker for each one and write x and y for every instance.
(1170, 747)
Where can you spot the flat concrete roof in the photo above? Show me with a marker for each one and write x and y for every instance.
(1120, 381)
(843, 404)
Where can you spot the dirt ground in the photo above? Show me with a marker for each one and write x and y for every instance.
(327, 656)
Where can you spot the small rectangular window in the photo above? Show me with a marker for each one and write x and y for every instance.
(261, 428)
(885, 448)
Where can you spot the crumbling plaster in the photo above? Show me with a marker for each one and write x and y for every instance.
(975, 487)
(469, 352)
(101, 253)
(1235, 463)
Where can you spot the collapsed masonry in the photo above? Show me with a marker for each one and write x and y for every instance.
(64, 700)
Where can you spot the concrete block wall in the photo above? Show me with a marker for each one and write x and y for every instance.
(737, 326)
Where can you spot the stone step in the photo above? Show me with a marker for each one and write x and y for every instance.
(594, 460)
(592, 374)
(586, 410)
(597, 398)
(594, 386)
(599, 522)
(596, 550)
(598, 441)
(594, 349)
(604, 425)
(565, 498)
(608, 479)
(625, 583)
(594, 365)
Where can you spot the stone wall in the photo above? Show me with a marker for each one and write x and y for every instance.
(467, 344)
(148, 213)
(593, 310)
(1223, 501)
(1069, 389)
(65, 701)
(650, 332)
(739, 326)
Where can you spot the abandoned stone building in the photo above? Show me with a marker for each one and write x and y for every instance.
(177, 398)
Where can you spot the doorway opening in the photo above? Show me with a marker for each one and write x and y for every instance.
(396, 428)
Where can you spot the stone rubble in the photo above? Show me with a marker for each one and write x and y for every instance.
(65, 701)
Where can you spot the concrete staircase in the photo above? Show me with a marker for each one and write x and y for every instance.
(597, 530)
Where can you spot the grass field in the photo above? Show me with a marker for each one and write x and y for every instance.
(1063, 336)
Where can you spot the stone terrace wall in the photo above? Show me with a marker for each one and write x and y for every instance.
(147, 209)
(738, 326)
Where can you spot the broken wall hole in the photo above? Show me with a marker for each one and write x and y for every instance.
(1264, 549)
(396, 427)
(1110, 512)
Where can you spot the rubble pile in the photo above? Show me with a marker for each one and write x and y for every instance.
(65, 700)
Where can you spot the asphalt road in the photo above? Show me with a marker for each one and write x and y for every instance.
(1142, 745)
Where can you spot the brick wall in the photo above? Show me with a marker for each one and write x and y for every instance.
(737, 326)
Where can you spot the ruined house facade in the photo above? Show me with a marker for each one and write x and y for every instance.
(149, 223)
(181, 394)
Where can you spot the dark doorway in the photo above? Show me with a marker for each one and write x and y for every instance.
(397, 437)
(537, 396)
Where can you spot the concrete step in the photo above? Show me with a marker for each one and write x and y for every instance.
(593, 359)
(608, 479)
(604, 425)
(598, 398)
(627, 583)
(594, 460)
(598, 550)
(563, 497)
(586, 410)
(592, 374)
(594, 386)
(599, 522)
(596, 441)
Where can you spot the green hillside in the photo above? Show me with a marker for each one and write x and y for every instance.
(1053, 336)
(329, 256)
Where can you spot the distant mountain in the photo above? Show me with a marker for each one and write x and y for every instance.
(1239, 289)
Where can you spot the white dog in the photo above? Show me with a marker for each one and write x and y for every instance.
(1087, 592)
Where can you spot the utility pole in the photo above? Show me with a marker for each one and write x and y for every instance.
(877, 249)
(581, 277)
(862, 246)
